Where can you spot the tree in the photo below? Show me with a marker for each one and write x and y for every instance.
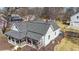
(37, 11)
(69, 13)
(45, 13)
(56, 12)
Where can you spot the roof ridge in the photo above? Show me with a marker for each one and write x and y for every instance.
(34, 32)
(41, 23)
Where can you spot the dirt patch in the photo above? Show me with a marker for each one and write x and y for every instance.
(4, 45)
(27, 48)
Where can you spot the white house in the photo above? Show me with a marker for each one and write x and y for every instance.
(74, 21)
(34, 33)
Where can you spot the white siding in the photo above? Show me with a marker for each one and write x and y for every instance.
(14, 28)
(52, 34)
(41, 43)
(74, 23)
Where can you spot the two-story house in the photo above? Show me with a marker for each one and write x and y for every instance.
(33, 33)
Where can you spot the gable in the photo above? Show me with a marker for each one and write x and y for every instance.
(20, 26)
(51, 35)
(49, 31)
(14, 27)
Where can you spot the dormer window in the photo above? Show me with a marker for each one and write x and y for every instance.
(77, 17)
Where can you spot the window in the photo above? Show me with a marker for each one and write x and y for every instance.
(13, 40)
(48, 36)
(77, 17)
(55, 33)
(76, 22)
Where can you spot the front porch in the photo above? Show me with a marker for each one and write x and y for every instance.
(23, 42)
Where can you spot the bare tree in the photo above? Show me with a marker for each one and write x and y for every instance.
(69, 13)
(37, 11)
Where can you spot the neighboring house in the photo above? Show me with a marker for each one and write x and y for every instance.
(3, 24)
(14, 17)
(74, 21)
(33, 33)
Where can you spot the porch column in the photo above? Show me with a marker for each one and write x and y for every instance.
(8, 37)
(26, 40)
(31, 42)
(15, 41)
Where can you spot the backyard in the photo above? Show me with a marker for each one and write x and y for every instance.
(67, 43)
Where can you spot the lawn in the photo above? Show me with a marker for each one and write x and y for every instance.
(61, 25)
(67, 44)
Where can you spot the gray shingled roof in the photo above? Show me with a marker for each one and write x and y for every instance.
(33, 35)
(21, 26)
(15, 34)
(54, 25)
(39, 28)
(33, 29)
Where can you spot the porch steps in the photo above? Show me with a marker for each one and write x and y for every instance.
(15, 48)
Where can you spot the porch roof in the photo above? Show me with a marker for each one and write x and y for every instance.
(15, 34)
(34, 36)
